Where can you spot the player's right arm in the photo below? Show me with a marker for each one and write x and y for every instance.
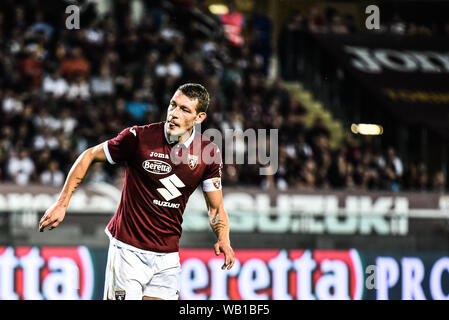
(56, 213)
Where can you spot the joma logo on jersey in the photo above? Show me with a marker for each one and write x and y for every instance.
(156, 166)
(159, 155)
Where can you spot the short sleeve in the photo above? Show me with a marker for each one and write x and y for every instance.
(212, 175)
(122, 147)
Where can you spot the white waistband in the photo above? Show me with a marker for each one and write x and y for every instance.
(122, 244)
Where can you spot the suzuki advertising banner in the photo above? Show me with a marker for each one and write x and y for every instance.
(59, 273)
(250, 210)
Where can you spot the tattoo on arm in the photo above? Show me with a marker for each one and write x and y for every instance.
(217, 225)
(78, 181)
(215, 219)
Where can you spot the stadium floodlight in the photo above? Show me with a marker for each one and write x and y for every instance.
(367, 129)
(218, 8)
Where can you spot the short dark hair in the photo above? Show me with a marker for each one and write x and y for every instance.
(195, 90)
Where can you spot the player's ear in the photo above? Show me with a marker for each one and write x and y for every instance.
(200, 117)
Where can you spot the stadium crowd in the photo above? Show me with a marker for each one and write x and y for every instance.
(65, 90)
(330, 20)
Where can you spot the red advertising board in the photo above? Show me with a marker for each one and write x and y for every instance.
(272, 274)
(58, 273)
(54, 273)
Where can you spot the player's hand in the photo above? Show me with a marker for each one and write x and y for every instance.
(52, 217)
(225, 247)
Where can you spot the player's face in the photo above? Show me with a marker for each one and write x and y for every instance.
(182, 115)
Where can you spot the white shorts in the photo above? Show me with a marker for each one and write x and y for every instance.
(132, 274)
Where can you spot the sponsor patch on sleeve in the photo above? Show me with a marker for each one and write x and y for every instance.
(212, 184)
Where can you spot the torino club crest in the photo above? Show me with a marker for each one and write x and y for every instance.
(217, 183)
(192, 161)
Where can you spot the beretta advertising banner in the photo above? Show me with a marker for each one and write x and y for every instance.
(58, 273)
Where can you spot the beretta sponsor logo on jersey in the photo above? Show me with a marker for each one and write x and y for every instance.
(156, 166)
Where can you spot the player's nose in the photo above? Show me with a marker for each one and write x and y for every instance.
(175, 113)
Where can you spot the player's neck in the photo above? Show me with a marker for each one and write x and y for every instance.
(181, 138)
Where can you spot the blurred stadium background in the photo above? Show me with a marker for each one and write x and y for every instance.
(346, 216)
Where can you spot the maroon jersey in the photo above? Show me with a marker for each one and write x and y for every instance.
(159, 178)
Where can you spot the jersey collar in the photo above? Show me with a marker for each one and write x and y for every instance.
(171, 141)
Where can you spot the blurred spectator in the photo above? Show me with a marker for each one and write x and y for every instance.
(19, 18)
(149, 67)
(439, 182)
(102, 85)
(52, 176)
(11, 102)
(55, 85)
(21, 167)
(337, 25)
(301, 149)
(74, 64)
(42, 160)
(68, 122)
(397, 25)
(4, 157)
(422, 178)
(41, 26)
(338, 171)
(97, 174)
(411, 176)
(148, 31)
(78, 89)
(308, 175)
(94, 35)
(280, 179)
(43, 118)
(230, 175)
(261, 28)
(233, 22)
(169, 67)
(315, 20)
(32, 67)
(367, 172)
(392, 169)
(349, 22)
(45, 139)
(137, 107)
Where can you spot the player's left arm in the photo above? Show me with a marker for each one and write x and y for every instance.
(219, 222)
